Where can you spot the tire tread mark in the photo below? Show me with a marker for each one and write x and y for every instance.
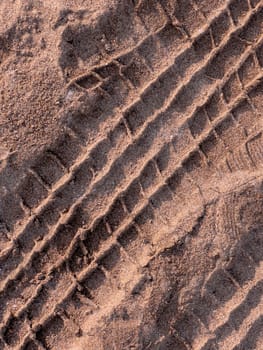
(252, 336)
(238, 315)
(60, 146)
(107, 248)
(233, 309)
(255, 149)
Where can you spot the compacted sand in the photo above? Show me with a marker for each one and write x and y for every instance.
(131, 174)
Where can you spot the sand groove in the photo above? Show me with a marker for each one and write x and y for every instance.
(68, 140)
(66, 155)
(45, 243)
(95, 204)
(87, 179)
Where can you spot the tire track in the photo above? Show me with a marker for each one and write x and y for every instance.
(252, 339)
(68, 178)
(95, 219)
(230, 320)
(234, 337)
(199, 34)
(92, 271)
(229, 300)
(106, 251)
(103, 68)
(98, 272)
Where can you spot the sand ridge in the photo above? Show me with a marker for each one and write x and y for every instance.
(135, 219)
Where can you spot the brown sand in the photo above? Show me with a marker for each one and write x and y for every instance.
(131, 182)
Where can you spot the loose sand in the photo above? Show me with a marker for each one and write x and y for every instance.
(131, 174)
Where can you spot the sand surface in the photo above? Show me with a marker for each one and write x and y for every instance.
(131, 174)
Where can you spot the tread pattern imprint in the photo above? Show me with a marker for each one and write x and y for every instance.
(170, 133)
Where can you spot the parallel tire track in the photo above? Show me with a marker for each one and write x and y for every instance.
(83, 221)
(109, 249)
(61, 181)
(64, 159)
(158, 115)
(33, 255)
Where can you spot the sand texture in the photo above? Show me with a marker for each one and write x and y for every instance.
(131, 174)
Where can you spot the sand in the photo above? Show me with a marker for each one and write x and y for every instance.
(131, 174)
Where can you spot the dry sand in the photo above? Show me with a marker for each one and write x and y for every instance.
(131, 174)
